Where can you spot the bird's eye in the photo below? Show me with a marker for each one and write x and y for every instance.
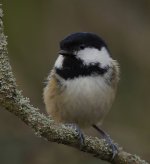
(82, 46)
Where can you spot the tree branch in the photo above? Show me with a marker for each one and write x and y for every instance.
(12, 100)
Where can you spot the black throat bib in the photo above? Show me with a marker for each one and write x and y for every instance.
(73, 68)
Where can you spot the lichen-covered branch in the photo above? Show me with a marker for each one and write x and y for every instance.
(12, 100)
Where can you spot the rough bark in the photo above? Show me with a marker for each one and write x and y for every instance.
(11, 99)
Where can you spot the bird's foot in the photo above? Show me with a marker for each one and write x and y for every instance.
(113, 147)
(78, 131)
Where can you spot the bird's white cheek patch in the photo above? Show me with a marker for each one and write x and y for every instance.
(93, 55)
(59, 61)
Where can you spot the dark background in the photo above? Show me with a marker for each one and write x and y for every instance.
(34, 29)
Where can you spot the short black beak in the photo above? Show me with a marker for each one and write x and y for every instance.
(65, 53)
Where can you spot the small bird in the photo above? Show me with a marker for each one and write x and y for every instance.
(82, 85)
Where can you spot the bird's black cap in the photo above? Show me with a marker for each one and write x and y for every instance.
(80, 40)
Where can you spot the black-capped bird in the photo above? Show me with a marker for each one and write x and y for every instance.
(82, 85)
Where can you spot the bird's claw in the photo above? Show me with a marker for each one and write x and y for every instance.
(114, 150)
(78, 131)
(108, 140)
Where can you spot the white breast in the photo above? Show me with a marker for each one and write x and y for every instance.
(86, 100)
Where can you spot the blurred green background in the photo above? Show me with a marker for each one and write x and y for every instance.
(34, 29)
